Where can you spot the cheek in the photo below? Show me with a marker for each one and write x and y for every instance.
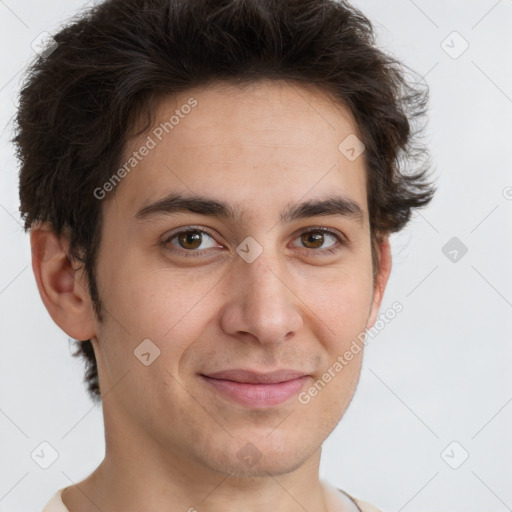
(171, 309)
(342, 301)
(157, 315)
(343, 309)
(154, 297)
(174, 303)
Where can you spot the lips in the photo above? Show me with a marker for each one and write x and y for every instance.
(251, 377)
(256, 390)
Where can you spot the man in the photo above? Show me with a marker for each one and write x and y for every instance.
(210, 188)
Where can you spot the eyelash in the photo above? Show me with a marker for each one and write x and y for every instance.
(193, 229)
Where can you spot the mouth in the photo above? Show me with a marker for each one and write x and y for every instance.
(256, 390)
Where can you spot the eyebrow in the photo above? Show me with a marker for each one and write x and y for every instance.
(176, 203)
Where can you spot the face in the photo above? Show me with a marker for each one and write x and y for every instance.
(257, 287)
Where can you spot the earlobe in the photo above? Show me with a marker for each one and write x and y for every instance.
(381, 280)
(62, 286)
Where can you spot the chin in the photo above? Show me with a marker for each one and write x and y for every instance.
(258, 459)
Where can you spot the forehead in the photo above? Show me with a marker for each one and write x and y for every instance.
(260, 111)
(278, 137)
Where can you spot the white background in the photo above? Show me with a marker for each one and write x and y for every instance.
(439, 372)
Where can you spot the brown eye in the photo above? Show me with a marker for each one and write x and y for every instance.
(315, 238)
(190, 239)
(312, 240)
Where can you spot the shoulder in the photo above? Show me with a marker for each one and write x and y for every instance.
(342, 500)
(55, 503)
(365, 506)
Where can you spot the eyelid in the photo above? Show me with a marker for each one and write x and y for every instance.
(185, 229)
(324, 229)
(342, 240)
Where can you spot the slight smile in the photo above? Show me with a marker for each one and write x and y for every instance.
(257, 390)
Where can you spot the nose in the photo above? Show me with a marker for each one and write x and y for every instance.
(261, 303)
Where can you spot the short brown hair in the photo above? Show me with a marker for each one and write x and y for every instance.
(80, 102)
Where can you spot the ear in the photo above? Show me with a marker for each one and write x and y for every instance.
(381, 279)
(63, 288)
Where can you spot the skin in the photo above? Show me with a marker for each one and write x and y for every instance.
(172, 441)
